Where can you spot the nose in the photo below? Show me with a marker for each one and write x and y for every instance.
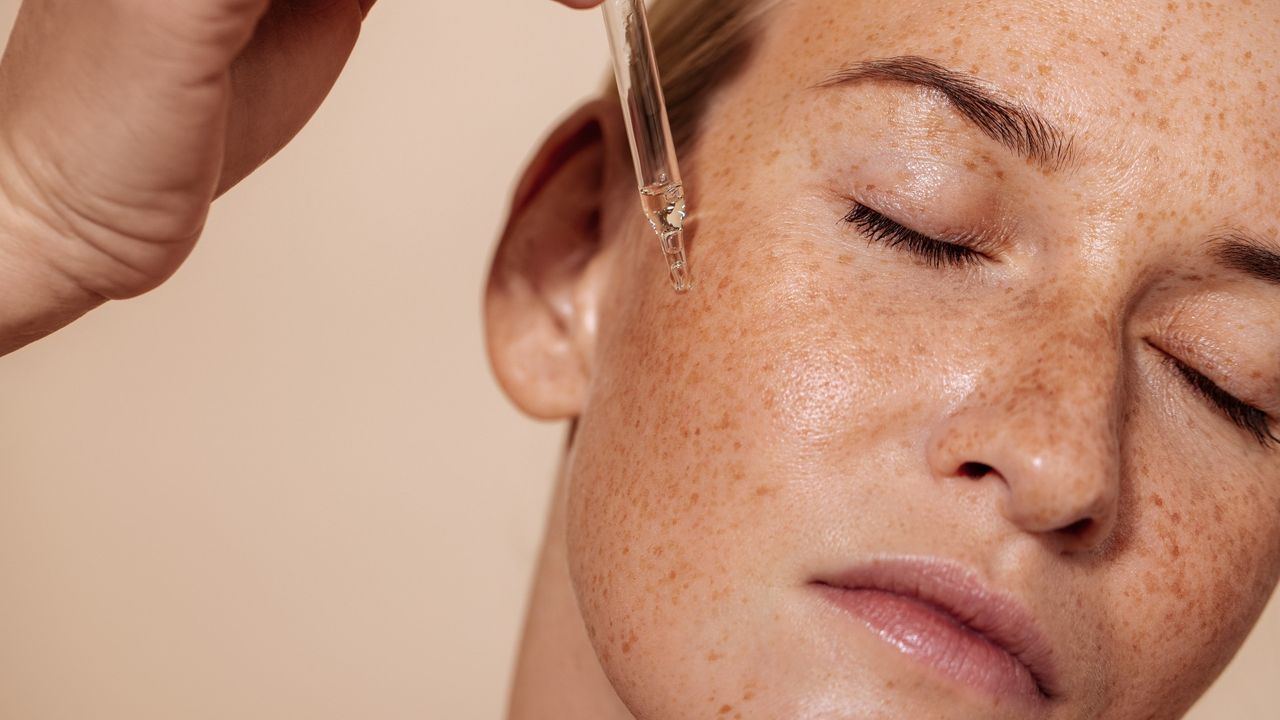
(1047, 430)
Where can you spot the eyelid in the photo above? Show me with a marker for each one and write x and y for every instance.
(965, 240)
(1245, 416)
(1213, 361)
(1240, 413)
(879, 228)
(992, 245)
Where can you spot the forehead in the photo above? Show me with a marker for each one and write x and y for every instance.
(1185, 92)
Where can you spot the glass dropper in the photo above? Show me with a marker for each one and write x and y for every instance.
(652, 149)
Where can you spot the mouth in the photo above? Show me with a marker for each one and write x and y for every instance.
(943, 616)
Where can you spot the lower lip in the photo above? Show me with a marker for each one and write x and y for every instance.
(934, 638)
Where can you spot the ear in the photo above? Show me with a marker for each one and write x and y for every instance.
(549, 272)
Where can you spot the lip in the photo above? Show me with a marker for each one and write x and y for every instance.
(945, 617)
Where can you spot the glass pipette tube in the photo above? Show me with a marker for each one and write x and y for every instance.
(652, 149)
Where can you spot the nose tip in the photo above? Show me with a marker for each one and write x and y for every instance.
(1075, 503)
(1061, 485)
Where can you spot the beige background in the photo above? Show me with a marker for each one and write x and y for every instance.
(284, 485)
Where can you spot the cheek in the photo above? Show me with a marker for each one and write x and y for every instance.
(1200, 556)
(714, 419)
(663, 488)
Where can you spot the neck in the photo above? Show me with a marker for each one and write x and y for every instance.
(557, 673)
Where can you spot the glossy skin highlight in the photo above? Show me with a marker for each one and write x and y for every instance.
(820, 400)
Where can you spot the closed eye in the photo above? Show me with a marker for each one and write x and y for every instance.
(1245, 416)
(937, 253)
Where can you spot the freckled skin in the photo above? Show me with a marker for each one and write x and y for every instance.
(818, 400)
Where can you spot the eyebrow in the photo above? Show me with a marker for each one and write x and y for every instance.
(1019, 128)
(1247, 253)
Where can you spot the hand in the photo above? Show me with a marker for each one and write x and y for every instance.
(124, 119)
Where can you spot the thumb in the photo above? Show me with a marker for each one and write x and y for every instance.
(111, 145)
(86, 85)
(122, 121)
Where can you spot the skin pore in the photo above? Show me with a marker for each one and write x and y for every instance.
(1050, 410)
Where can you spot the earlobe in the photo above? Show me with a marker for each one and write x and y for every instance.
(543, 292)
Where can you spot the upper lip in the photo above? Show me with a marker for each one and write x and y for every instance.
(960, 594)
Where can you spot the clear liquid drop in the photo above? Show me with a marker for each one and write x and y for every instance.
(664, 206)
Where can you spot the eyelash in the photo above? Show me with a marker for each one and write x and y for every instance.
(1251, 419)
(937, 253)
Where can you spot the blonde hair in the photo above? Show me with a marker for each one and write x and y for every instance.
(699, 44)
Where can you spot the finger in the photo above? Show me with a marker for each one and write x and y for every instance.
(105, 95)
(280, 79)
(121, 121)
(83, 81)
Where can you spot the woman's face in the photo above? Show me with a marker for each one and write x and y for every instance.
(1057, 415)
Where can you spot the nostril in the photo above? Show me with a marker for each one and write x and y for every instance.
(1078, 528)
(975, 470)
